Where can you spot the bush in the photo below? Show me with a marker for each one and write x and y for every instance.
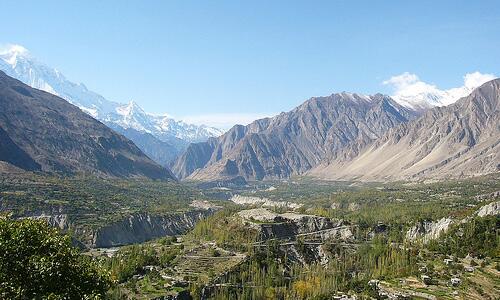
(37, 262)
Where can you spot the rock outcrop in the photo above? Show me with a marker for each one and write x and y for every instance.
(291, 225)
(139, 228)
(426, 231)
(491, 209)
(60, 221)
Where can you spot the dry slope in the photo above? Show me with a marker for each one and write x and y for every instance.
(458, 140)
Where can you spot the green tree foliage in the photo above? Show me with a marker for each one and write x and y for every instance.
(131, 260)
(37, 262)
(479, 237)
(269, 274)
(223, 229)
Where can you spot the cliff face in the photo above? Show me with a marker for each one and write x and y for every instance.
(427, 230)
(300, 236)
(137, 228)
(491, 209)
(292, 225)
(143, 227)
(57, 220)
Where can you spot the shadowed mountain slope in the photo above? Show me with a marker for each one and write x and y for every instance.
(40, 131)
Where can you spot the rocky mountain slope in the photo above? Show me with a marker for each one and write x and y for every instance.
(42, 132)
(462, 139)
(17, 62)
(293, 142)
(161, 152)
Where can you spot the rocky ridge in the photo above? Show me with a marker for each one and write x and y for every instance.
(293, 142)
(459, 140)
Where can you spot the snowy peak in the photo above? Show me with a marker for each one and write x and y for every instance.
(354, 97)
(16, 61)
(130, 109)
(11, 53)
(415, 94)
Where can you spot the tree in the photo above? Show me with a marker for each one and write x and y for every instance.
(37, 262)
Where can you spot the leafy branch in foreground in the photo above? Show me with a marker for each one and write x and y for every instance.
(37, 262)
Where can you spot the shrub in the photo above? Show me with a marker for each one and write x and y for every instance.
(37, 262)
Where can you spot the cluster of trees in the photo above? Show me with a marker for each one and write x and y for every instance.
(131, 260)
(479, 237)
(92, 201)
(37, 262)
(270, 274)
(225, 230)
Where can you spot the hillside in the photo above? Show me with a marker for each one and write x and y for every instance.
(293, 142)
(42, 132)
(146, 130)
(462, 139)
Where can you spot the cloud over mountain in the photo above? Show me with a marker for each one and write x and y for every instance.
(414, 93)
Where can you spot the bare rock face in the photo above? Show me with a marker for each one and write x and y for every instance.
(292, 225)
(427, 230)
(42, 132)
(491, 209)
(263, 202)
(136, 228)
(55, 220)
(139, 228)
(459, 140)
(293, 142)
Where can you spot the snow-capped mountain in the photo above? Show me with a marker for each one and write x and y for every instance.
(416, 94)
(431, 98)
(133, 116)
(17, 62)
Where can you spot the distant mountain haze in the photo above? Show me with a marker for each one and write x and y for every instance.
(419, 132)
(355, 137)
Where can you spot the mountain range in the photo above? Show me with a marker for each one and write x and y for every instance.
(43, 132)
(344, 136)
(145, 129)
(293, 142)
(462, 139)
(350, 136)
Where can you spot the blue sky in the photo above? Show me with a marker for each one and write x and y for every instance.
(229, 59)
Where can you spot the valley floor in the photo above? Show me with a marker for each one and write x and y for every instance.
(299, 239)
(396, 241)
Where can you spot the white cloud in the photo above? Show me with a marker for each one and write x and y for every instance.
(13, 48)
(473, 80)
(412, 92)
(224, 120)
